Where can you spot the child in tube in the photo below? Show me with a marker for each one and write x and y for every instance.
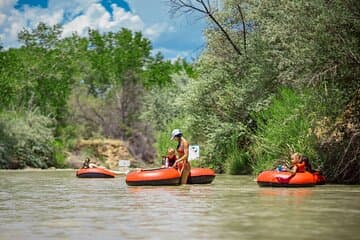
(170, 159)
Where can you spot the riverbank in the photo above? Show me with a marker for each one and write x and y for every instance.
(40, 170)
(116, 172)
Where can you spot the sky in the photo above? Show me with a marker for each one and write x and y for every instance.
(173, 36)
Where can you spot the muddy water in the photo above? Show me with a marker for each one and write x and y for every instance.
(57, 205)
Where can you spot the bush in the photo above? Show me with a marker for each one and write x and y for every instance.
(26, 140)
(283, 128)
(7, 146)
(226, 149)
(237, 162)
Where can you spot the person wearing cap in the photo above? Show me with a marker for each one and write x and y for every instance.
(182, 149)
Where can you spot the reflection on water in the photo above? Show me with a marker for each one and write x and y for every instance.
(57, 205)
(297, 192)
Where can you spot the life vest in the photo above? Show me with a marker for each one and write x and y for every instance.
(300, 167)
(171, 160)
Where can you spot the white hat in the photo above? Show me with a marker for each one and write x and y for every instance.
(174, 133)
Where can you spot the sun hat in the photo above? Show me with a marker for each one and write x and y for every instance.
(175, 133)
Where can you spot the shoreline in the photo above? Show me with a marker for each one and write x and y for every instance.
(39, 170)
(54, 170)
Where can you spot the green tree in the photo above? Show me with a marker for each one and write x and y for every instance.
(46, 72)
(291, 44)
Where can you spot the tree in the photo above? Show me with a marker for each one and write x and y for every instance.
(289, 44)
(119, 71)
(46, 70)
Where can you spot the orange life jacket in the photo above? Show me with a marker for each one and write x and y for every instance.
(300, 167)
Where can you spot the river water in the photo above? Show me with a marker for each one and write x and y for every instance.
(57, 205)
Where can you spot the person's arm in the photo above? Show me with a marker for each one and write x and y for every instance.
(92, 165)
(292, 170)
(177, 161)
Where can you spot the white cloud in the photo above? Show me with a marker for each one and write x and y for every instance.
(7, 4)
(96, 17)
(174, 37)
(76, 16)
(155, 30)
(12, 20)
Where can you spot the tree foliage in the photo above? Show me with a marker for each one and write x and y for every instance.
(309, 48)
(270, 73)
(91, 85)
(26, 140)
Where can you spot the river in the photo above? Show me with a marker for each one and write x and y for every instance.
(57, 205)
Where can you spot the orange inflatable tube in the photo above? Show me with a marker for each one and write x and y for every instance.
(285, 179)
(168, 176)
(319, 178)
(201, 176)
(153, 177)
(94, 173)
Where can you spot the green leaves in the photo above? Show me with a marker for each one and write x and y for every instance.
(120, 56)
(114, 68)
(283, 128)
(43, 36)
(290, 46)
(26, 140)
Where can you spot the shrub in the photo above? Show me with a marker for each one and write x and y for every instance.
(283, 128)
(226, 148)
(27, 139)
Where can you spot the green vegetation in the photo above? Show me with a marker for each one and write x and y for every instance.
(275, 77)
(80, 88)
(26, 140)
(282, 129)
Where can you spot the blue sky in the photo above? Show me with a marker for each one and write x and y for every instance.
(174, 37)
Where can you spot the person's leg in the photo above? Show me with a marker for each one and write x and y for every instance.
(185, 174)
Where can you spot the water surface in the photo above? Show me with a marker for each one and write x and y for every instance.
(57, 205)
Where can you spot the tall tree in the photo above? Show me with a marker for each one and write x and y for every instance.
(47, 72)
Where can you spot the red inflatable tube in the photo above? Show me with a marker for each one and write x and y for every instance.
(168, 176)
(94, 173)
(319, 178)
(201, 176)
(153, 177)
(285, 179)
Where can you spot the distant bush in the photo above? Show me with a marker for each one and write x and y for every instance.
(26, 139)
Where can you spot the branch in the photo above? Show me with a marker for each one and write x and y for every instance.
(341, 167)
(243, 23)
(188, 7)
(178, 5)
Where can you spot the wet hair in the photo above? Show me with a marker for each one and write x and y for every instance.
(179, 135)
(86, 163)
(308, 166)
